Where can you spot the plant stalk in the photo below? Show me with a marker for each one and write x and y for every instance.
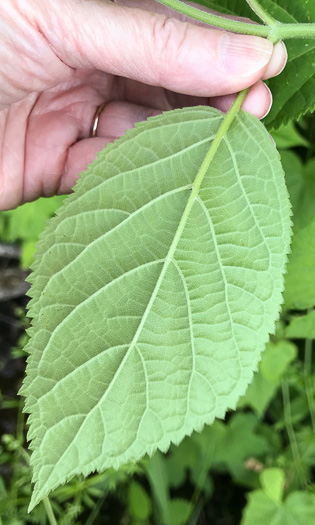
(262, 13)
(216, 20)
(291, 434)
(274, 31)
(49, 511)
(308, 379)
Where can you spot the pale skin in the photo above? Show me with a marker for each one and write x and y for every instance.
(61, 59)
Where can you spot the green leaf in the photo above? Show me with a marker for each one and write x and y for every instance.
(298, 508)
(28, 250)
(275, 361)
(306, 443)
(139, 504)
(180, 510)
(302, 327)
(299, 288)
(156, 471)
(240, 443)
(152, 300)
(301, 185)
(288, 137)
(28, 221)
(293, 90)
(272, 481)
(180, 459)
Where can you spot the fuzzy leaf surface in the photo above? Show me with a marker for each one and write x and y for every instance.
(150, 309)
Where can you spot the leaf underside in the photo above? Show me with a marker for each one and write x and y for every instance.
(149, 316)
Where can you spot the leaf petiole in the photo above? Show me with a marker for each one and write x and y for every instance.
(262, 13)
(49, 511)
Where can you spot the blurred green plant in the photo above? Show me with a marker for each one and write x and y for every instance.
(24, 225)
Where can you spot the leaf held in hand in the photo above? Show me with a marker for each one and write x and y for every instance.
(151, 308)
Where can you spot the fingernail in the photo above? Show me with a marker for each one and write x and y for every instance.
(277, 62)
(243, 55)
(270, 101)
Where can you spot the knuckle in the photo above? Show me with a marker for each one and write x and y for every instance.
(168, 47)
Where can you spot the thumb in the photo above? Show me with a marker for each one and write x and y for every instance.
(152, 48)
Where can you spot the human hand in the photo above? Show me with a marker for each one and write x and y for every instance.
(60, 60)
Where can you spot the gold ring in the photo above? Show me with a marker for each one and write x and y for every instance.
(95, 120)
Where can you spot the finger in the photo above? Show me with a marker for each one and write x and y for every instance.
(57, 120)
(152, 48)
(115, 120)
(277, 62)
(54, 155)
(279, 55)
(258, 101)
(117, 117)
(157, 7)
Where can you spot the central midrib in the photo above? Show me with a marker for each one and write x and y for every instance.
(194, 192)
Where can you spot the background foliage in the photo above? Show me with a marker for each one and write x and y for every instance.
(256, 466)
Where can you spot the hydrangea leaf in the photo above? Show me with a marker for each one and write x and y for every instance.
(151, 299)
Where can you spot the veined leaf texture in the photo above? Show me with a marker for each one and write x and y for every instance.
(150, 309)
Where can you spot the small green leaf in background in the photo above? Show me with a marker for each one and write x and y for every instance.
(27, 255)
(305, 439)
(266, 506)
(299, 288)
(24, 224)
(182, 458)
(275, 361)
(302, 327)
(156, 471)
(272, 481)
(180, 511)
(300, 180)
(240, 443)
(28, 221)
(139, 504)
(288, 137)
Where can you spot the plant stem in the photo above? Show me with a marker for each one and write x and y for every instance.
(308, 379)
(49, 511)
(216, 20)
(291, 433)
(261, 13)
(284, 31)
(215, 144)
(274, 31)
